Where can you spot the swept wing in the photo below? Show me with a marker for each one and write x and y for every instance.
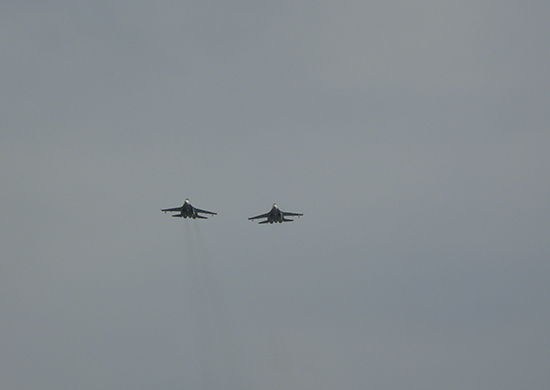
(205, 212)
(173, 209)
(259, 216)
(286, 214)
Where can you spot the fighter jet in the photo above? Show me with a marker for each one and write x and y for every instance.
(276, 215)
(188, 211)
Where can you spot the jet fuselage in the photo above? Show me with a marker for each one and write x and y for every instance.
(188, 211)
(276, 215)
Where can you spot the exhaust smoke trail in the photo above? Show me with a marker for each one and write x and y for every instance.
(195, 295)
(215, 353)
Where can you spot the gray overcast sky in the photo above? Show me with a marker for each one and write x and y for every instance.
(413, 135)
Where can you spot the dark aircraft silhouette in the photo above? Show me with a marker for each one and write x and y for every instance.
(188, 211)
(276, 215)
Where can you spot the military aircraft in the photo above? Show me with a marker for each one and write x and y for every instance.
(276, 215)
(188, 211)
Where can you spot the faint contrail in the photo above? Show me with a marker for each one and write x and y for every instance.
(220, 336)
(215, 350)
(197, 309)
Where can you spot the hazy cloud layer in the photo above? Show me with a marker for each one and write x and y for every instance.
(412, 135)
